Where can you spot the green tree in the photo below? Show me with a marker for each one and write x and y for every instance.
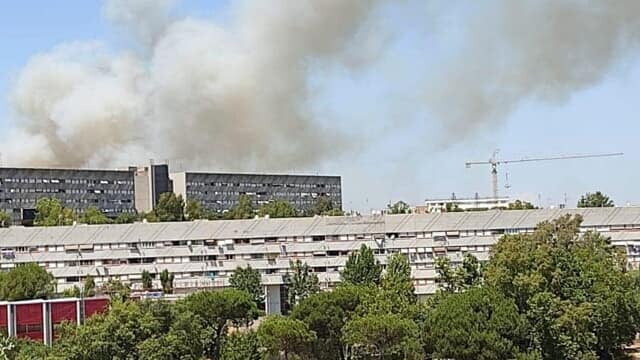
(194, 210)
(169, 208)
(30, 350)
(88, 289)
(116, 290)
(244, 209)
(50, 212)
(520, 205)
(596, 199)
(147, 280)
(362, 268)
(399, 207)
(326, 313)
(166, 281)
(477, 324)
(126, 218)
(5, 219)
(120, 332)
(291, 337)
(218, 309)
(241, 346)
(89, 286)
(323, 205)
(397, 279)
(383, 336)
(185, 339)
(249, 280)
(278, 209)
(301, 283)
(574, 288)
(451, 279)
(148, 217)
(25, 282)
(93, 216)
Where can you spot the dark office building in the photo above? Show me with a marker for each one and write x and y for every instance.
(219, 191)
(112, 191)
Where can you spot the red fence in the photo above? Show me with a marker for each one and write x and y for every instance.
(37, 319)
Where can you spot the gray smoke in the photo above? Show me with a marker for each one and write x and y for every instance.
(544, 50)
(238, 96)
(199, 93)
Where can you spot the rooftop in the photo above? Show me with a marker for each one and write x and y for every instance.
(315, 226)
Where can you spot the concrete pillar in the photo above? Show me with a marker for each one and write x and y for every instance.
(11, 320)
(272, 299)
(79, 311)
(46, 323)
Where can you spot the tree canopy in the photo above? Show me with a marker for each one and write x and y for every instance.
(326, 313)
(218, 309)
(244, 209)
(147, 280)
(126, 218)
(362, 268)
(520, 205)
(287, 335)
(397, 278)
(596, 199)
(170, 207)
(477, 324)
(5, 219)
(50, 212)
(399, 207)
(249, 280)
(278, 209)
(26, 282)
(323, 205)
(301, 282)
(574, 289)
(166, 281)
(383, 336)
(93, 216)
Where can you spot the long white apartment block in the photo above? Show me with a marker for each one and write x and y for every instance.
(203, 254)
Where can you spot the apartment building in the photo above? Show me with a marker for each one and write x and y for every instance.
(464, 204)
(221, 191)
(112, 191)
(203, 254)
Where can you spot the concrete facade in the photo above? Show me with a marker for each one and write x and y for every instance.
(150, 182)
(203, 254)
(221, 191)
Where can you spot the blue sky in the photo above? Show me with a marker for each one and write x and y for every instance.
(406, 155)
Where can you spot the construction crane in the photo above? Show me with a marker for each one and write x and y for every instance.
(494, 162)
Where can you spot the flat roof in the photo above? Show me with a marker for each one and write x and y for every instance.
(308, 226)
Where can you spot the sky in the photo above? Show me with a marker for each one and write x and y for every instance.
(397, 146)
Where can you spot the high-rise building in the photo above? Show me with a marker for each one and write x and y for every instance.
(221, 191)
(138, 189)
(112, 191)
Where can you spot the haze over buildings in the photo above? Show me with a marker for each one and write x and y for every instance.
(368, 89)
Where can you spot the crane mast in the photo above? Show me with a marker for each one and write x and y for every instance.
(494, 162)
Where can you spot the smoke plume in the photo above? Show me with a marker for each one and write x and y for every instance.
(543, 50)
(191, 90)
(238, 95)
